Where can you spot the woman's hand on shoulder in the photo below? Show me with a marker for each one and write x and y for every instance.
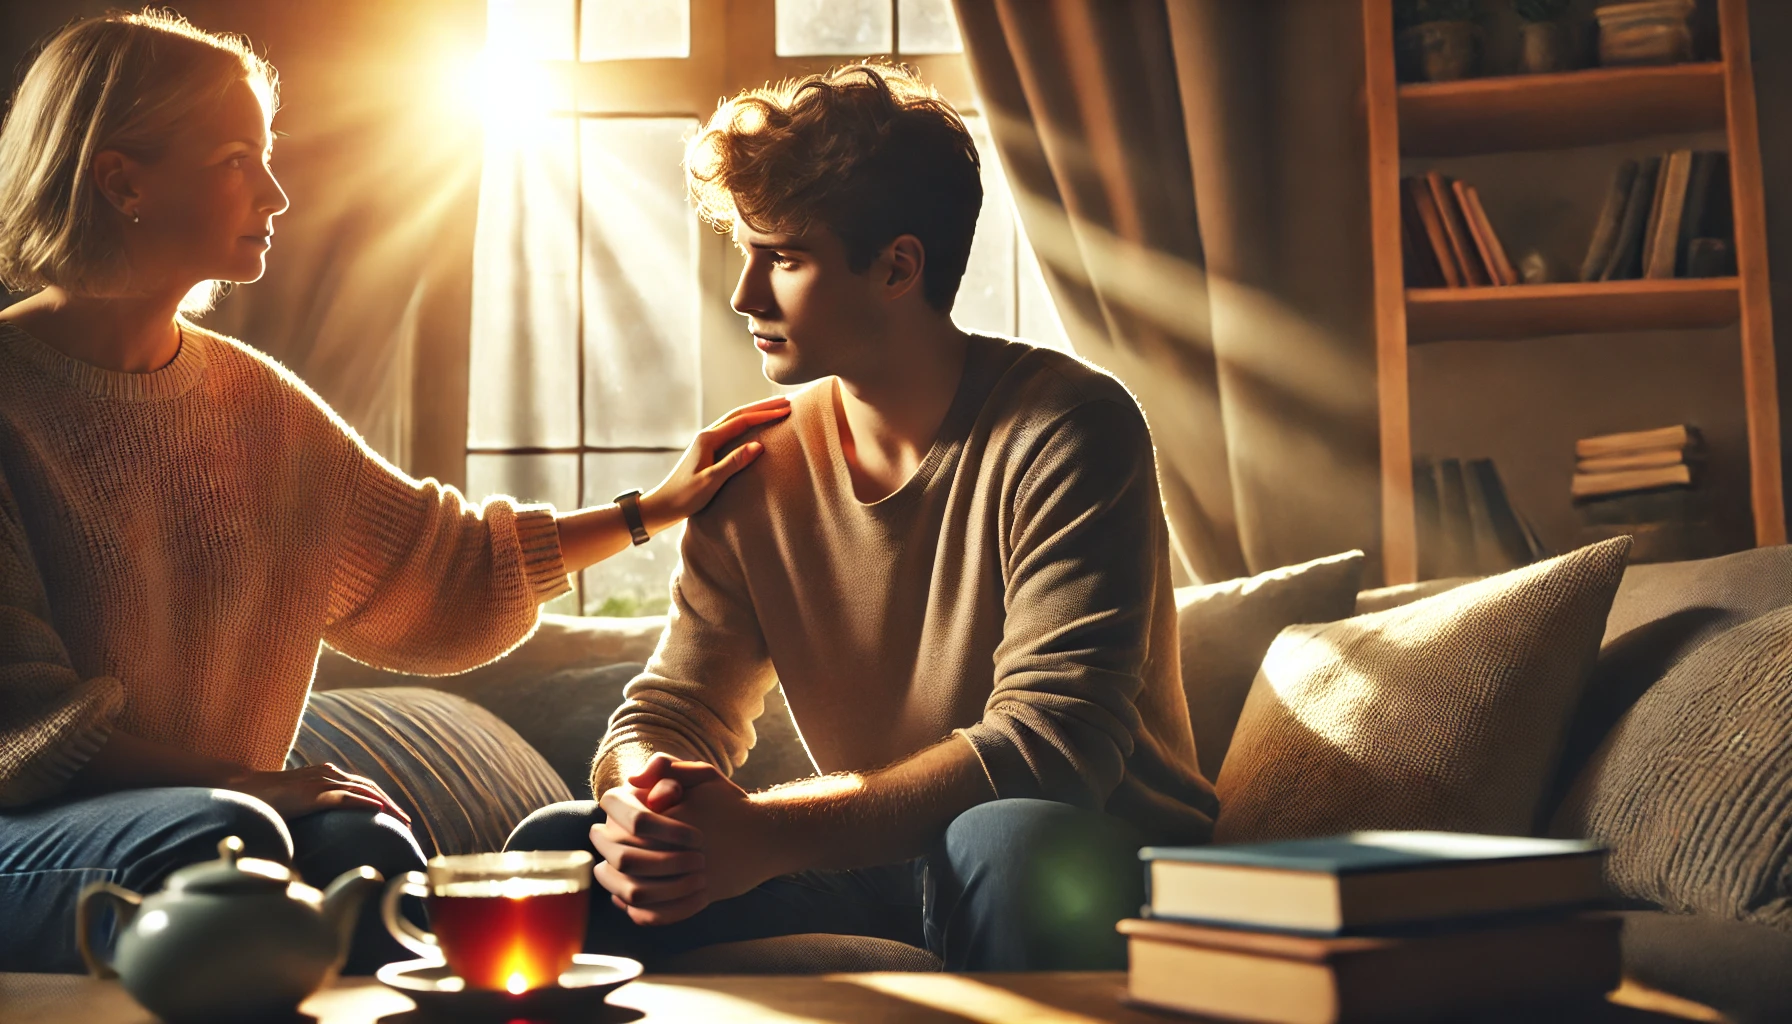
(698, 475)
(297, 792)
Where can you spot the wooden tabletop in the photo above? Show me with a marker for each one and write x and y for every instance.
(1043, 998)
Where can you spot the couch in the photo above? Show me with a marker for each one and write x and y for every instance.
(556, 691)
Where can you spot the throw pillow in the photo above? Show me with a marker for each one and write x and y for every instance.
(1226, 627)
(465, 778)
(1691, 789)
(1447, 713)
(1382, 598)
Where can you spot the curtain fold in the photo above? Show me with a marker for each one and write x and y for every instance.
(1193, 177)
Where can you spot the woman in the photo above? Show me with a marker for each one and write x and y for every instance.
(182, 521)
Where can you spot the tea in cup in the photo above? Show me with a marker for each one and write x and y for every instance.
(507, 921)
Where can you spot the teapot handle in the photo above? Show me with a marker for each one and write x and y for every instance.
(92, 898)
(418, 941)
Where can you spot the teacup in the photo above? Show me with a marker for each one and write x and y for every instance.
(508, 921)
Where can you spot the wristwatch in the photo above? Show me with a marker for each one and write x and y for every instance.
(630, 503)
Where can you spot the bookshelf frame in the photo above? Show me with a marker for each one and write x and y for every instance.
(1534, 112)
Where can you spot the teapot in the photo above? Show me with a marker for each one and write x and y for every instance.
(237, 938)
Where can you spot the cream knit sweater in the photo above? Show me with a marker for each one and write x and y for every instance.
(174, 545)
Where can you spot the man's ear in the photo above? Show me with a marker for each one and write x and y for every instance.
(906, 259)
(114, 175)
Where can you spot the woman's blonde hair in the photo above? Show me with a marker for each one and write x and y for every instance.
(122, 82)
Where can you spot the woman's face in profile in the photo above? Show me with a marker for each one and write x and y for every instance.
(206, 208)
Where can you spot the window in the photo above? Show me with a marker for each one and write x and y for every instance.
(602, 338)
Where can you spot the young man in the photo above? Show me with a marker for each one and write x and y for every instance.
(953, 557)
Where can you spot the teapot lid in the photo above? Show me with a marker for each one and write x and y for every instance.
(232, 874)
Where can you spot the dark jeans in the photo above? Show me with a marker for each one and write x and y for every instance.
(135, 838)
(1013, 885)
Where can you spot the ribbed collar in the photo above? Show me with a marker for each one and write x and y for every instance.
(171, 381)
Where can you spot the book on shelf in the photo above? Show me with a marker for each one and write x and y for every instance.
(1634, 508)
(1462, 247)
(1611, 214)
(1588, 485)
(1681, 436)
(1625, 261)
(1431, 226)
(1465, 521)
(1707, 213)
(1640, 458)
(1370, 881)
(1664, 240)
(1238, 975)
(1493, 255)
(1418, 258)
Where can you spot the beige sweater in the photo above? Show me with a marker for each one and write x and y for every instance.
(1015, 591)
(174, 545)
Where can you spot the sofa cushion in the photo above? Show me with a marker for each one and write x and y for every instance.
(1692, 788)
(1382, 598)
(1735, 967)
(1226, 627)
(1447, 713)
(465, 778)
(800, 954)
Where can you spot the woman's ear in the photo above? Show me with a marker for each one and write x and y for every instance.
(114, 175)
(907, 259)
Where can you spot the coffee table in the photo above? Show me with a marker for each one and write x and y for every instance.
(1043, 998)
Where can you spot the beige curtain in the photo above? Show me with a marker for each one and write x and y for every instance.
(1193, 176)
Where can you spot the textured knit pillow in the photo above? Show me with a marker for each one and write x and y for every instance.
(465, 778)
(1447, 713)
(1693, 788)
(1226, 628)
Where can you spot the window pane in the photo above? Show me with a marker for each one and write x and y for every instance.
(641, 293)
(986, 297)
(1039, 322)
(634, 29)
(530, 478)
(637, 580)
(529, 29)
(523, 390)
(927, 26)
(853, 28)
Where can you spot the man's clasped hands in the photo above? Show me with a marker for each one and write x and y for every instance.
(678, 836)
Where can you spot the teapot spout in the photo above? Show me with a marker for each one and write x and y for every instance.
(342, 904)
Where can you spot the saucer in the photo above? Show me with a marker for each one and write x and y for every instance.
(438, 992)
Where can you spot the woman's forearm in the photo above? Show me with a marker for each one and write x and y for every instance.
(591, 535)
(132, 762)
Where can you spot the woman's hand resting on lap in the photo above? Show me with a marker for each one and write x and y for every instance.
(698, 475)
(319, 787)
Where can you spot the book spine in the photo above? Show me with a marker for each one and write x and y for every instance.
(1627, 250)
(1666, 247)
(1605, 231)
(1483, 252)
(1456, 229)
(1433, 224)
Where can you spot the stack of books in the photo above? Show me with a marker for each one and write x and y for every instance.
(1629, 463)
(1372, 926)
(1665, 216)
(1467, 525)
(1644, 484)
(1447, 240)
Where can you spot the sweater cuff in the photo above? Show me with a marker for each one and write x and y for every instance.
(1009, 775)
(544, 567)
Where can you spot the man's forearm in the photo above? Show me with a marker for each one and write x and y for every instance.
(616, 764)
(860, 819)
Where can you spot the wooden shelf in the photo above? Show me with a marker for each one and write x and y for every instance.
(1573, 108)
(1533, 310)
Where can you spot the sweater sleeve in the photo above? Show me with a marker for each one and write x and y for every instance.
(1079, 568)
(51, 720)
(707, 682)
(428, 584)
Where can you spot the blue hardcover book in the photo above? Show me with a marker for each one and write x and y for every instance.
(1370, 881)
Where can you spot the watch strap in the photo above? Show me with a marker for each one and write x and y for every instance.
(630, 504)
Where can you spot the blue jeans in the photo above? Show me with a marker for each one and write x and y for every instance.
(135, 838)
(1012, 885)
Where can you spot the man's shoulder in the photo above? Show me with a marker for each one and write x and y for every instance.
(1045, 390)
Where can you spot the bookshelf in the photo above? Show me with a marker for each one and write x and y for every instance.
(1556, 111)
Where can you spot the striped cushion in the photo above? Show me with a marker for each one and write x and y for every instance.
(465, 777)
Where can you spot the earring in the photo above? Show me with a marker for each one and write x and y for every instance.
(136, 218)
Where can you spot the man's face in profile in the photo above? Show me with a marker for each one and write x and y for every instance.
(809, 314)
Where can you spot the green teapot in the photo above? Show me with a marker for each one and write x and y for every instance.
(233, 939)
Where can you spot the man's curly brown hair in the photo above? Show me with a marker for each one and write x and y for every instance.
(867, 150)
